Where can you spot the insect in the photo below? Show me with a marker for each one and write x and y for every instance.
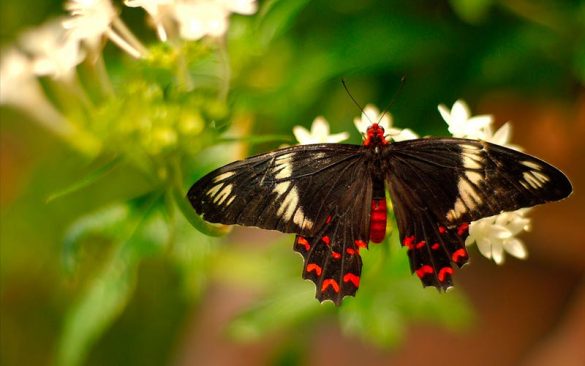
(332, 196)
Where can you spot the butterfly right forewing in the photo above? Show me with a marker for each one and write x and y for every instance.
(438, 186)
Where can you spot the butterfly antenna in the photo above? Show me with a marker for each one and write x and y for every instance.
(354, 101)
(393, 99)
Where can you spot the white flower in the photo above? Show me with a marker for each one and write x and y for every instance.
(53, 52)
(501, 136)
(20, 88)
(461, 124)
(90, 20)
(159, 10)
(246, 7)
(495, 235)
(199, 18)
(370, 115)
(319, 133)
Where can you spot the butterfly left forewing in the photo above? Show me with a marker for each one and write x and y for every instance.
(291, 190)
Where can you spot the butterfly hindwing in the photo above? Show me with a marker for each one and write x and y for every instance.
(291, 190)
(331, 257)
(438, 186)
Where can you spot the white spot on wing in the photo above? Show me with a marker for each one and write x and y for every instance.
(223, 176)
(541, 177)
(468, 197)
(474, 177)
(213, 190)
(223, 194)
(283, 167)
(229, 202)
(535, 181)
(532, 165)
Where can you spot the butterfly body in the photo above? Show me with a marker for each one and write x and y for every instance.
(332, 196)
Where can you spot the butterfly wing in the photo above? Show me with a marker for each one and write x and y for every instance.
(321, 192)
(332, 257)
(292, 190)
(439, 185)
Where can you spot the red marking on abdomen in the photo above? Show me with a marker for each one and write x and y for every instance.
(378, 220)
(330, 282)
(443, 273)
(350, 277)
(424, 270)
(302, 241)
(458, 254)
(314, 267)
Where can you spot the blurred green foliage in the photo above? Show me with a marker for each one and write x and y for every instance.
(99, 264)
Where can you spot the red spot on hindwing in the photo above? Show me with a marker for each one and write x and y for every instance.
(424, 270)
(335, 255)
(458, 255)
(378, 215)
(435, 246)
(462, 229)
(312, 267)
(443, 272)
(326, 240)
(442, 229)
(302, 241)
(350, 277)
(360, 243)
(330, 282)
(328, 219)
(420, 244)
(409, 242)
(351, 251)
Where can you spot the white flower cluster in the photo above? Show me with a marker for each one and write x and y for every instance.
(56, 48)
(195, 18)
(493, 235)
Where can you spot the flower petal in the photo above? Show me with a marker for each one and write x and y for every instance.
(302, 135)
(516, 248)
(320, 128)
(498, 253)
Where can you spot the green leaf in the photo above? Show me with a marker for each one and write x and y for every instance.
(103, 300)
(100, 221)
(107, 294)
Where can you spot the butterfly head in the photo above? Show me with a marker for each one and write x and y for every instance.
(375, 136)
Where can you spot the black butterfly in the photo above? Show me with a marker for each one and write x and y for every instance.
(333, 197)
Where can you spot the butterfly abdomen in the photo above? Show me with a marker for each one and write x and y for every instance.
(378, 209)
(378, 220)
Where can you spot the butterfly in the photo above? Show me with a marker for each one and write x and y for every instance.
(333, 197)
